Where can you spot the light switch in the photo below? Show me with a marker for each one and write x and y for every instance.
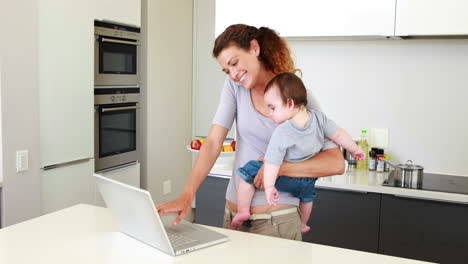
(167, 187)
(22, 160)
(379, 138)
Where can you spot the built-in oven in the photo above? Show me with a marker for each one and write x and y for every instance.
(116, 54)
(115, 123)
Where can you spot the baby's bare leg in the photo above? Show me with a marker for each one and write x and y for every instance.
(305, 209)
(245, 194)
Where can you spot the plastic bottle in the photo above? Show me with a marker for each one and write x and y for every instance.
(363, 164)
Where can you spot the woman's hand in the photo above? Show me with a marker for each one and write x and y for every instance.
(359, 154)
(258, 180)
(180, 206)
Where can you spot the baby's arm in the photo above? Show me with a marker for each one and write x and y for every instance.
(343, 139)
(269, 179)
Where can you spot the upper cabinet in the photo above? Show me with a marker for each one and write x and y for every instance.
(431, 17)
(311, 18)
(66, 72)
(123, 11)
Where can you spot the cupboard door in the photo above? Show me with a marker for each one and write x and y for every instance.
(309, 18)
(66, 59)
(66, 186)
(210, 201)
(431, 17)
(346, 219)
(123, 11)
(424, 230)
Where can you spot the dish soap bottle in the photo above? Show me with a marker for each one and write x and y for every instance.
(363, 164)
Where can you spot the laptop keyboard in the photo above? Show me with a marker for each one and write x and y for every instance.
(177, 240)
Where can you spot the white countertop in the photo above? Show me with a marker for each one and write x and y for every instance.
(370, 181)
(87, 234)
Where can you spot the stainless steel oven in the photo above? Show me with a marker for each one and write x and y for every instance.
(116, 53)
(115, 126)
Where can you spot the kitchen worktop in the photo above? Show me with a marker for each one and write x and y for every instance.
(88, 234)
(370, 181)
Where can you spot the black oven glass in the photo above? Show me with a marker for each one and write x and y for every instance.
(117, 58)
(117, 132)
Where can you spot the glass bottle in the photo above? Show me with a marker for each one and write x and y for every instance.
(372, 159)
(363, 164)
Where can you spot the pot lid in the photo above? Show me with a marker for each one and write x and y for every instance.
(409, 165)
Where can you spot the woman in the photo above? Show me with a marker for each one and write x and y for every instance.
(251, 57)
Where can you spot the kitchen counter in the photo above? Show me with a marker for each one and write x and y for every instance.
(370, 181)
(88, 234)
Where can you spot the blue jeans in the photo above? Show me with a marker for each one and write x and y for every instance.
(302, 188)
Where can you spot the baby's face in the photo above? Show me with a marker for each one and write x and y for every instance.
(279, 111)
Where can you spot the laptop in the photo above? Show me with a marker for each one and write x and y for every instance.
(136, 215)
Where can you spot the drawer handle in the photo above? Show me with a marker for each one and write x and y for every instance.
(429, 199)
(341, 190)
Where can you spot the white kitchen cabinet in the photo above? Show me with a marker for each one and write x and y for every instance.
(431, 17)
(66, 186)
(123, 11)
(66, 72)
(128, 174)
(311, 18)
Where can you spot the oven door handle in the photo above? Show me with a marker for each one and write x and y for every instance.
(119, 108)
(120, 41)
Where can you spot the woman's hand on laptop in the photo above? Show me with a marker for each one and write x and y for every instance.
(180, 206)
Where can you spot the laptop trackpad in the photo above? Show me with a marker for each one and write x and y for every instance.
(180, 228)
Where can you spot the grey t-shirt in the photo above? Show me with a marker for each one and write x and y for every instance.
(253, 135)
(292, 143)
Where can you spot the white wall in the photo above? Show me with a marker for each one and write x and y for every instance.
(19, 109)
(207, 72)
(167, 92)
(416, 88)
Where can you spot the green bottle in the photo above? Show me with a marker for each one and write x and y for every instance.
(363, 164)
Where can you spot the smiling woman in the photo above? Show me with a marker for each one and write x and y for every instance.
(251, 57)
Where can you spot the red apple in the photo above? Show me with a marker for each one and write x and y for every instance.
(195, 144)
(233, 145)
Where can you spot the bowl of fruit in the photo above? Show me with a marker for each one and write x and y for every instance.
(228, 148)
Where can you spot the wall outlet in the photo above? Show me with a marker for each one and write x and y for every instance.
(167, 187)
(22, 160)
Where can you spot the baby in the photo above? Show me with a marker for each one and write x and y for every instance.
(300, 135)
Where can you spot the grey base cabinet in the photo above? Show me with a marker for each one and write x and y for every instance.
(424, 230)
(210, 201)
(345, 219)
(373, 222)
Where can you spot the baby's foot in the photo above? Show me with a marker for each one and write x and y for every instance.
(239, 219)
(305, 228)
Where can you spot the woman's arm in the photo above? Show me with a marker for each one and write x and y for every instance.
(327, 163)
(207, 156)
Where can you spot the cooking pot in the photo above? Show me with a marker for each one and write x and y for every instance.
(406, 175)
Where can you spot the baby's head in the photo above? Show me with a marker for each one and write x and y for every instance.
(285, 95)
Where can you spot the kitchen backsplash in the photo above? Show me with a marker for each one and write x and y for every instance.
(415, 88)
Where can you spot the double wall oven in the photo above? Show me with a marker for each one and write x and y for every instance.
(116, 94)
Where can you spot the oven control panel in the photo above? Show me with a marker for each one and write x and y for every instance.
(116, 95)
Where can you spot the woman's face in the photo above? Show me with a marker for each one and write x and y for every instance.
(241, 65)
(279, 111)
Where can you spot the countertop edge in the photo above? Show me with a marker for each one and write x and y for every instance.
(399, 192)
